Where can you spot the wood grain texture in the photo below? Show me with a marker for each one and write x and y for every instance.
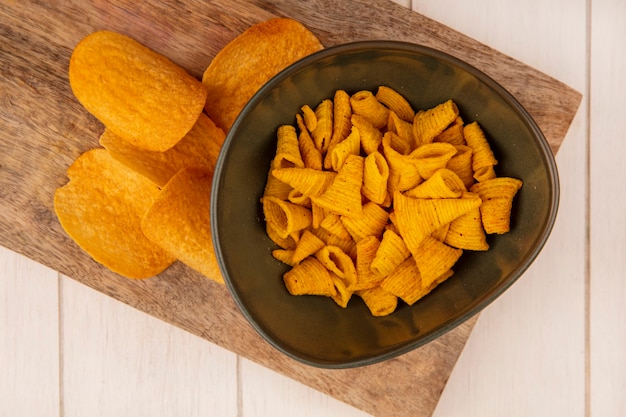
(45, 129)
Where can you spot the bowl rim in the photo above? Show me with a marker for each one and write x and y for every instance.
(422, 339)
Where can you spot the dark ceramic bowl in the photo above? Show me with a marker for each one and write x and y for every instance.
(314, 330)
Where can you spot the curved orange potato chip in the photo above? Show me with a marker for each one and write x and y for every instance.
(249, 61)
(198, 149)
(101, 208)
(179, 221)
(137, 93)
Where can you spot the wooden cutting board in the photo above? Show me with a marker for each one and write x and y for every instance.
(43, 129)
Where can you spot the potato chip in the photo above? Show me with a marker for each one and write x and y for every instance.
(179, 221)
(309, 277)
(379, 302)
(198, 149)
(135, 92)
(364, 103)
(101, 208)
(249, 61)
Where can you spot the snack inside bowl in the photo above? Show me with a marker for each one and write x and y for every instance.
(315, 330)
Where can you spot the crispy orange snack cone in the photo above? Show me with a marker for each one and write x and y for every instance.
(444, 183)
(366, 250)
(391, 252)
(285, 216)
(310, 182)
(427, 124)
(370, 222)
(380, 302)
(417, 218)
(342, 112)
(309, 277)
(396, 103)
(497, 195)
(287, 149)
(483, 159)
(434, 258)
(366, 104)
(343, 196)
(307, 246)
(405, 282)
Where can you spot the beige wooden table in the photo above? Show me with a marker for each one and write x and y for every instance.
(553, 345)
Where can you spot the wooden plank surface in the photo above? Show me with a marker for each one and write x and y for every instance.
(28, 320)
(44, 129)
(124, 369)
(526, 354)
(607, 344)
